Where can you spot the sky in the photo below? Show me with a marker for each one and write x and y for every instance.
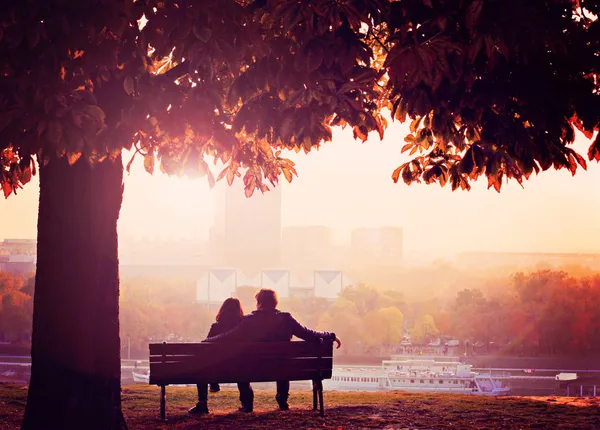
(347, 184)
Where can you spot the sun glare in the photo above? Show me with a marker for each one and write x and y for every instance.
(163, 206)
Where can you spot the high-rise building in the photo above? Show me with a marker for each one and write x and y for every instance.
(377, 246)
(247, 231)
(18, 255)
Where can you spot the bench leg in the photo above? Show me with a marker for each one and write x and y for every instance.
(163, 401)
(321, 406)
(315, 390)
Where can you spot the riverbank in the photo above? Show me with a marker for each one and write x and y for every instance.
(393, 410)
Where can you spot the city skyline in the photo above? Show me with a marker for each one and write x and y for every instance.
(347, 185)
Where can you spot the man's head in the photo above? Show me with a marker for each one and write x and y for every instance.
(266, 299)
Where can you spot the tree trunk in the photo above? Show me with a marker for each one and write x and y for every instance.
(76, 364)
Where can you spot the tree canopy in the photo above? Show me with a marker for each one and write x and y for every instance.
(491, 88)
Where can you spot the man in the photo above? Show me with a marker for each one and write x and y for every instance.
(267, 324)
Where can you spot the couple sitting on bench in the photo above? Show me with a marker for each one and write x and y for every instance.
(265, 324)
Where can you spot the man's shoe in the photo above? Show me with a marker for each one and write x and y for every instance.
(284, 406)
(199, 409)
(246, 409)
(214, 388)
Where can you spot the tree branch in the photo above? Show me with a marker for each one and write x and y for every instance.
(378, 40)
(178, 71)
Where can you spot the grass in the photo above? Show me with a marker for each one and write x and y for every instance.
(344, 410)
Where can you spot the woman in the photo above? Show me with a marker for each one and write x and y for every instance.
(228, 317)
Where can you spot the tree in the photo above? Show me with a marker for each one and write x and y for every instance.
(470, 306)
(384, 327)
(545, 311)
(240, 81)
(441, 319)
(424, 329)
(493, 88)
(236, 81)
(154, 309)
(366, 299)
(469, 299)
(15, 308)
(308, 310)
(15, 319)
(343, 319)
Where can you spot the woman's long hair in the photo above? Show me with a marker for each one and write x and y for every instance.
(231, 311)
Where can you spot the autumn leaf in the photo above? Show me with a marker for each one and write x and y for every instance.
(26, 175)
(54, 132)
(287, 173)
(130, 162)
(594, 151)
(149, 161)
(396, 173)
(315, 57)
(128, 85)
(211, 179)
(230, 175)
(95, 113)
(473, 13)
(414, 125)
(359, 132)
(73, 157)
(495, 181)
(6, 188)
(579, 125)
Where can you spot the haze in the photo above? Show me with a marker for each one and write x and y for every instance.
(346, 185)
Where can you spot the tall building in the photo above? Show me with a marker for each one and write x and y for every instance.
(307, 247)
(18, 247)
(377, 246)
(247, 231)
(18, 255)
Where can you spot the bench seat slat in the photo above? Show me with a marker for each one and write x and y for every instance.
(266, 376)
(239, 365)
(199, 358)
(220, 356)
(234, 361)
(298, 349)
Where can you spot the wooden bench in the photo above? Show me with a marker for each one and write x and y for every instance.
(221, 362)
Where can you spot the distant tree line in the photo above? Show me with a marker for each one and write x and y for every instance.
(16, 307)
(546, 312)
(542, 312)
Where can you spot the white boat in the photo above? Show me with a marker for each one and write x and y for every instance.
(140, 377)
(436, 342)
(143, 377)
(417, 375)
(10, 376)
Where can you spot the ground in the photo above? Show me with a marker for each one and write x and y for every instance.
(390, 410)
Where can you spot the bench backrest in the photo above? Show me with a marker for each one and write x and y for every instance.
(190, 363)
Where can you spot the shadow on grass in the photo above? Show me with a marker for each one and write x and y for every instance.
(335, 418)
(343, 410)
(359, 410)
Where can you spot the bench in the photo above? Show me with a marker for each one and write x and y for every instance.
(221, 362)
